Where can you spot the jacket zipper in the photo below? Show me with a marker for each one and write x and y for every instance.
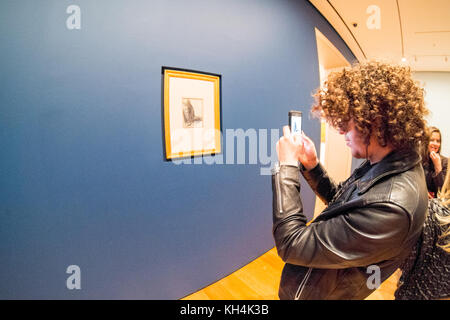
(277, 178)
(303, 284)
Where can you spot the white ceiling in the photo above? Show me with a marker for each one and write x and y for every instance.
(417, 30)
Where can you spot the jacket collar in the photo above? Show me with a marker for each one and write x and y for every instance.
(395, 162)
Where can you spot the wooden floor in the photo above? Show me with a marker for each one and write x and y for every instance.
(259, 280)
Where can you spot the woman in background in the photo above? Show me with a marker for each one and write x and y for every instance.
(434, 164)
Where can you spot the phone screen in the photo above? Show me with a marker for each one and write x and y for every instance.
(296, 124)
(295, 121)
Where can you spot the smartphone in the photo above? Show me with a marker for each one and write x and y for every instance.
(295, 121)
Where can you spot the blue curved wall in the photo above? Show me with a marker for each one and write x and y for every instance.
(82, 179)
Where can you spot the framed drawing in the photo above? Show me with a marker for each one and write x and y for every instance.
(191, 113)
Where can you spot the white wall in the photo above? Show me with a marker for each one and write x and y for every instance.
(334, 153)
(437, 98)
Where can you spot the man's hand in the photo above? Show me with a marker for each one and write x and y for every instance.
(288, 147)
(308, 154)
(292, 148)
(436, 161)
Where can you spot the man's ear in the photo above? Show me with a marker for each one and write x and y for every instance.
(377, 130)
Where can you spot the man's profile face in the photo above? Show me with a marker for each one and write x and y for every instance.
(354, 140)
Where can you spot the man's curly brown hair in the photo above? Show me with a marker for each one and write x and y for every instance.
(382, 99)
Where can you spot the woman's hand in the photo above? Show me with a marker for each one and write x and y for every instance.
(292, 148)
(436, 161)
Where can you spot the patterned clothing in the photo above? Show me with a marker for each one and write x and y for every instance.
(426, 272)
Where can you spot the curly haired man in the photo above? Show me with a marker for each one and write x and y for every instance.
(374, 218)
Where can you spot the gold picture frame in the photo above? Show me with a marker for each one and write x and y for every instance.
(191, 113)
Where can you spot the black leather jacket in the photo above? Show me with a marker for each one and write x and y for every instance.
(373, 218)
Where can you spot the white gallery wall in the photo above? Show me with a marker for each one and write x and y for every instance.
(437, 98)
